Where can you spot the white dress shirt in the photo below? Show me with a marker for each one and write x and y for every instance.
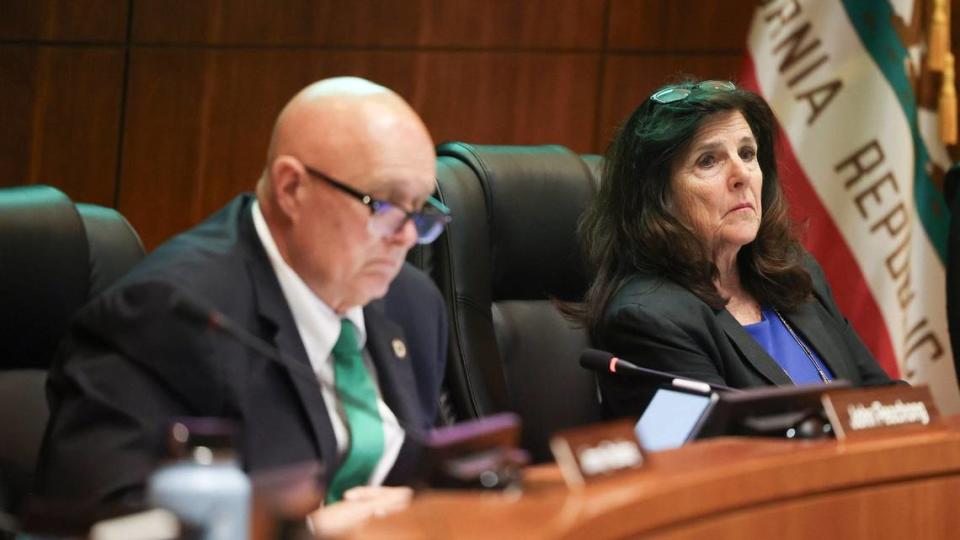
(319, 328)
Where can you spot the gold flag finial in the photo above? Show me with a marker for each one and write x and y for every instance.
(939, 44)
(948, 103)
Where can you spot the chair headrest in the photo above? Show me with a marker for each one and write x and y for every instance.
(534, 196)
(44, 272)
(114, 245)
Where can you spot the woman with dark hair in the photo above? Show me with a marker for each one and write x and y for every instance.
(697, 269)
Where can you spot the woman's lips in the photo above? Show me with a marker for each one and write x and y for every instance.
(741, 206)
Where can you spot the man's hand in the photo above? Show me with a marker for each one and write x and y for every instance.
(357, 506)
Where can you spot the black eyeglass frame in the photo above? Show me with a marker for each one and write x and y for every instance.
(674, 93)
(441, 215)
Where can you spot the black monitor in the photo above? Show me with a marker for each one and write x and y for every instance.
(678, 415)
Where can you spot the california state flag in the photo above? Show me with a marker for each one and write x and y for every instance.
(862, 163)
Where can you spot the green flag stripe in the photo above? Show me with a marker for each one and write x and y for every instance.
(873, 23)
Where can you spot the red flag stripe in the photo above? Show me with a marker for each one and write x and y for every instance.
(823, 239)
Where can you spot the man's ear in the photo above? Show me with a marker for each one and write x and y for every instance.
(287, 182)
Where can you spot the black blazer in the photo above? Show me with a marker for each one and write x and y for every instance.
(658, 324)
(131, 362)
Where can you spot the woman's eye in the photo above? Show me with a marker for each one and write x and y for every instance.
(706, 161)
(748, 153)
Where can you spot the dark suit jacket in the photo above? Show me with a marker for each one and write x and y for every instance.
(658, 324)
(132, 361)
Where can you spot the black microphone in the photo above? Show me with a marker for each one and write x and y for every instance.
(213, 318)
(606, 362)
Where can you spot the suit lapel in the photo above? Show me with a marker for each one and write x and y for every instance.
(275, 312)
(808, 324)
(394, 371)
(751, 351)
(398, 386)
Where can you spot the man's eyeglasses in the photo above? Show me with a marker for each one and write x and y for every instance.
(387, 218)
(671, 94)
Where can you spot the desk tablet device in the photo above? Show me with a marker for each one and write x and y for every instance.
(677, 415)
(672, 417)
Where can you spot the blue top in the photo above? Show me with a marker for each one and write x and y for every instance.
(776, 339)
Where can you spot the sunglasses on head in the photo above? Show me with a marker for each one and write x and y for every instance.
(674, 93)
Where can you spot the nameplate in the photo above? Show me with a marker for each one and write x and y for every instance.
(875, 411)
(475, 454)
(596, 451)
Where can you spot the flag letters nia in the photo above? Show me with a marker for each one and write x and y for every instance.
(862, 163)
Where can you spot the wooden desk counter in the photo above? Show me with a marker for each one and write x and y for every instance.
(905, 486)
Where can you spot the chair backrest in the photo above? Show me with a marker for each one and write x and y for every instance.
(509, 253)
(54, 256)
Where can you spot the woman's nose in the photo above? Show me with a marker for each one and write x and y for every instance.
(738, 173)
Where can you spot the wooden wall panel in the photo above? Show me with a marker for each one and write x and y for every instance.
(629, 79)
(373, 23)
(510, 98)
(658, 25)
(167, 127)
(206, 78)
(61, 111)
(199, 122)
(63, 20)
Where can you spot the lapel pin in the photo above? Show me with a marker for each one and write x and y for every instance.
(399, 348)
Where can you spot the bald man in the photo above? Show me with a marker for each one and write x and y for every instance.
(301, 265)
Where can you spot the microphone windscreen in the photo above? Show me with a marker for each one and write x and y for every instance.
(595, 359)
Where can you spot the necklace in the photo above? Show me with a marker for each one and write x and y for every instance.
(806, 351)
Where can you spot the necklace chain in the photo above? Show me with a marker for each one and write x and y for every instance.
(806, 351)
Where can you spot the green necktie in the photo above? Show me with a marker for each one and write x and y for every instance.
(358, 396)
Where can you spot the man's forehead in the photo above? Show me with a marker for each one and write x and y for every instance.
(386, 160)
(402, 181)
(374, 142)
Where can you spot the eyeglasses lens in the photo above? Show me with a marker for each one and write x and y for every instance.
(428, 227)
(669, 95)
(672, 94)
(388, 219)
(717, 85)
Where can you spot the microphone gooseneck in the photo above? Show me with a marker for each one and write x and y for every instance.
(467, 451)
(216, 320)
(605, 362)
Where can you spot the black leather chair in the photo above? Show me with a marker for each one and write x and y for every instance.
(510, 251)
(54, 256)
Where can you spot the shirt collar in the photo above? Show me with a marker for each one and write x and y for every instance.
(318, 324)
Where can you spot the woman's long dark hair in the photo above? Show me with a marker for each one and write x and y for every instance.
(629, 228)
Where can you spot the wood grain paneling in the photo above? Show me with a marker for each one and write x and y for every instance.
(915, 508)
(554, 24)
(507, 98)
(168, 126)
(661, 25)
(199, 122)
(63, 20)
(630, 79)
(61, 111)
(901, 486)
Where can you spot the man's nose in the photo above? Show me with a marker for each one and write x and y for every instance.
(405, 235)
